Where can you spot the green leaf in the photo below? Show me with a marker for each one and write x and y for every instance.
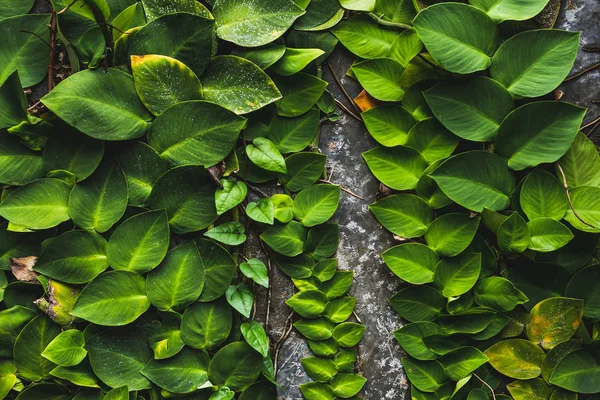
(162, 81)
(364, 37)
(186, 37)
(581, 163)
(256, 270)
(26, 50)
(230, 195)
(411, 336)
(498, 293)
(319, 14)
(300, 93)
(578, 372)
(30, 344)
(542, 195)
(308, 303)
(402, 11)
(102, 105)
(112, 299)
(585, 203)
(256, 337)
(40, 204)
(525, 132)
(178, 281)
(120, 393)
(13, 102)
(516, 358)
(325, 348)
(450, 234)
(142, 167)
(303, 170)
(261, 390)
(358, 5)
(348, 334)
(261, 211)
(325, 269)
(316, 391)
(380, 78)
(66, 349)
(459, 37)
(47, 390)
(461, 362)
(80, 375)
(548, 235)
(427, 376)
(398, 168)
(118, 356)
(295, 60)
(299, 267)
(264, 154)
(287, 239)
(254, 24)
(238, 85)
(339, 310)
(322, 241)
(389, 124)
(315, 329)
(283, 207)
(412, 262)
(73, 257)
(13, 320)
(554, 320)
(204, 139)
(188, 196)
(219, 268)
(472, 109)
(157, 8)
(534, 389)
(406, 46)
(18, 164)
(100, 201)
(292, 135)
(9, 8)
(513, 234)
(183, 373)
(316, 204)
(432, 140)
(264, 56)
(457, 275)
(206, 325)
(319, 369)
(241, 298)
(230, 233)
(502, 10)
(346, 385)
(236, 366)
(165, 336)
(539, 71)
(418, 303)
(583, 285)
(337, 286)
(74, 152)
(462, 179)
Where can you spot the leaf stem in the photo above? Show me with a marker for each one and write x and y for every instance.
(384, 22)
(343, 189)
(566, 186)
(343, 89)
(581, 73)
(486, 384)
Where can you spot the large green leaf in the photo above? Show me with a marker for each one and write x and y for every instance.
(548, 235)
(186, 37)
(586, 207)
(195, 133)
(25, 47)
(295, 60)
(578, 371)
(427, 376)
(583, 285)
(405, 215)
(498, 293)
(30, 344)
(73, 257)
(303, 170)
(581, 163)
(206, 325)
(66, 349)
(432, 140)
(157, 8)
(411, 336)
(188, 196)
(548, 125)
(450, 234)
(287, 239)
(457, 275)
(516, 358)
(513, 234)
(463, 180)
(364, 37)
(10, 8)
(74, 152)
(178, 281)
(316, 204)
(13, 320)
(542, 196)
(142, 167)
(459, 363)
(554, 320)
(253, 24)
(533, 389)
(13, 102)
(471, 108)
(236, 366)
(399, 167)
(412, 262)
(41, 204)
(418, 303)
(294, 134)
(102, 105)
(183, 373)
(389, 124)
(402, 11)
(118, 356)
(380, 78)
(219, 268)
(238, 84)
(113, 299)
(300, 93)
(18, 164)
(534, 63)
(140, 243)
(163, 81)
(459, 37)
(101, 200)
(502, 10)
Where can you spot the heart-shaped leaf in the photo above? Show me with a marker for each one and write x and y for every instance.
(66, 349)
(219, 268)
(502, 10)
(303, 170)
(389, 124)
(516, 358)
(380, 78)
(294, 134)
(398, 168)
(300, 93)
(240, 297)
(30, 344)
(513, 234)
(457, 275)
(427, 376)
(548, 235)
(432, 140)
(206, 325)
(18, 164)
(236, 366)
(183, 373)
(230, 233)
(256, 337)
(418, 303)
(498, 293)
(316, 204)
(308, 303)
(450, 234)
(256, 270)
(411, 336)
(295, 60)
(566, 315)
(230, 195)
(364, 37)
(264, 154)
(142, 167)
(261, 211)
(412, 262)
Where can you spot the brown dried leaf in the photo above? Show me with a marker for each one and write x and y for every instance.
(365, 101)
(22, 269)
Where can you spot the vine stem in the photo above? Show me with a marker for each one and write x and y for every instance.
(343, 107)
(345, 189)
(284, 335)
(594, 122)
(383, 22)
(343, 89)
(580, 73)
(52, 27)
(486, 384)
(566, 186)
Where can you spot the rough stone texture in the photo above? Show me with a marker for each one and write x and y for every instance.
(363, 239)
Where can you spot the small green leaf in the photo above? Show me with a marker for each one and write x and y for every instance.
(300, 93)
(389, 124)
(256, 337)
(534, 389)
(157, 8)
(364, 37)
(432, 140)
(265, 155)
(316, 204)
(450, 234)
(316, 391)
(410, 337)
(261, 211)
(583, 285)
(418, 303)
(182, 373)
(284, 205)
(322, 241)
(319, 369)
(230, 195)
(516, 358)
(263, 56)
(339, 285)
(241, 298)
(74, 152)
(295, 60)
(256, 270)
(380, 78)
(502, 10)
(412, 262)
(346, 385)
(498, 293)
(19, 165)
(348, 334)
(513, 234)
(142, 167)
(586, 203)
(405, 215)
(399, 167)
(294, 134)
(303, 170)
(235, 366)
(427, 376)
(581, 163)
(542, 196)
(457, 275)
(339, 310)
(308, 303)
(315, 329)
(548, 235)
(287, 239)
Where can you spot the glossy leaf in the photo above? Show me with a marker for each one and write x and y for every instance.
(142, 167)
(548, 235)
(498, 293)
(300, 93)
(565, 314)
(389, 124)
(67, 349)
(459, 363)
(206, 325)
(294, 134)
(241, 298)
(315, 205)
(236, 366)
(581, 163)
(404, 215)
(587, 206)
(427, 376)
(308, 303)
(502, 10)
(264, 154)
(398, 168)
(380, 78)
(19, 164)
(183, 373)
(364, 37)
(295, 60)
(432, 140)
(577, 372)
(73, 152)
(457, 275)
(542, 196)
(346, 385)
(303, 170)
(450, 234)
(418, 303)
(30, 344)
(256, 337)
(412, 262)
(411, 336)
(319, 369)
(513, 234)
(256, 270)
(516, 358)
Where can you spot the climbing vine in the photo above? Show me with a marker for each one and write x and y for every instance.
(492, 189)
